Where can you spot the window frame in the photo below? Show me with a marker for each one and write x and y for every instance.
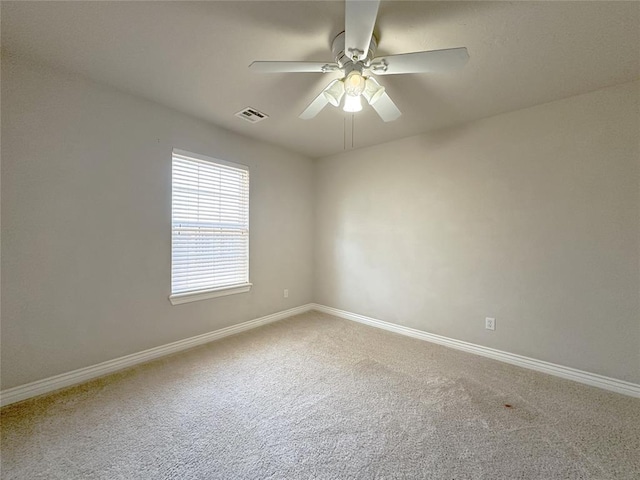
(213, 292)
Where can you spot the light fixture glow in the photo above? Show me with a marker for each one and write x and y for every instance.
(372, 91)
(334, 93)
(352, 104)
(354, 83)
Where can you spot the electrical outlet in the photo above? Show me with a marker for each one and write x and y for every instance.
(286, 293)
(490, 323)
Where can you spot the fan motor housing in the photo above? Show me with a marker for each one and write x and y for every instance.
(342, 59)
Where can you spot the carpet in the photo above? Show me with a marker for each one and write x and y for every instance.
(317, 397)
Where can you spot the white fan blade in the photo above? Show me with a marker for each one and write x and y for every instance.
(420, 62)
(293, 67)
(360, 18)
(317, 105)
(386, 109)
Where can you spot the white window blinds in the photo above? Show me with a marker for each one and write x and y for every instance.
(210, 224)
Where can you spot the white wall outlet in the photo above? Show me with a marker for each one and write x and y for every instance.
(490, 323)
(286, 293)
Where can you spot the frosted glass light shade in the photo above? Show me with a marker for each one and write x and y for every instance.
(352, 104)
(354, 83)
(372, 91)
(334, 93)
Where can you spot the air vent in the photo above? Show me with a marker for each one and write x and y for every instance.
(251, 115)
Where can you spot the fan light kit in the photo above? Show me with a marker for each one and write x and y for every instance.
(354, 51)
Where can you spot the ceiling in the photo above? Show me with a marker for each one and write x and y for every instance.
(193, 57)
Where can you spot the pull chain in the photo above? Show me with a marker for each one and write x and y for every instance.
(344, 120)
(344, 146)
(352, 123)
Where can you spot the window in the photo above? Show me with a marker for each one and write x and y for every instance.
(209, 228)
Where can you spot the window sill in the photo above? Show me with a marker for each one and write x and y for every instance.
(204, 295)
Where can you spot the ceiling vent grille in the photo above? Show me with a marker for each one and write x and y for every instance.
(251, 115)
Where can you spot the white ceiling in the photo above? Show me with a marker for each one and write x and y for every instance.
(193, 56)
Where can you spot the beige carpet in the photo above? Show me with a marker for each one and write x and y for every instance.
(314, 396)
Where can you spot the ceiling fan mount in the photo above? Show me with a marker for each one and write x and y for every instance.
(354, 54)
(342, 58)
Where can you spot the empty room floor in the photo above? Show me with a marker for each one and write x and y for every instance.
(314, 396)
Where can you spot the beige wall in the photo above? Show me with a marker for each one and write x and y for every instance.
(531, 217)
(86, 182)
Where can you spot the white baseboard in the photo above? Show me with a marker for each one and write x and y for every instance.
(63, 380)
(607, 383)
(74, 377)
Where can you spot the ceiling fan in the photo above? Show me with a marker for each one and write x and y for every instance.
(354, 51)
